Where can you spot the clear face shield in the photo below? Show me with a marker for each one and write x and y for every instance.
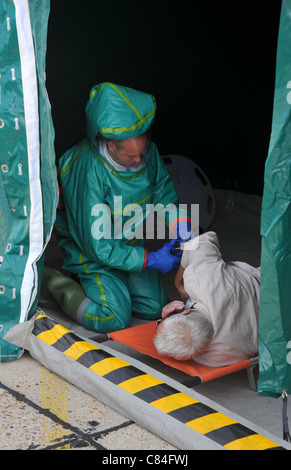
(144, 154)
(121, 155)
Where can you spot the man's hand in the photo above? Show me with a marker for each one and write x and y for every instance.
(174, 307)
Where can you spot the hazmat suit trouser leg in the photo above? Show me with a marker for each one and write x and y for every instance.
(60, 290)
(117, 294)
(105, 301)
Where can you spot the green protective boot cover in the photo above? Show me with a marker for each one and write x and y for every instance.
(63, 291)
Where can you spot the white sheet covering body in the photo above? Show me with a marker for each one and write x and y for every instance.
(228, 294)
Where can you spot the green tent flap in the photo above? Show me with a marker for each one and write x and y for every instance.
(28, 182)
(275, 304)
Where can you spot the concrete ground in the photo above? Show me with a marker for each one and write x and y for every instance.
(42, 411)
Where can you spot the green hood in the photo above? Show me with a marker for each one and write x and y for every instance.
(118, 112)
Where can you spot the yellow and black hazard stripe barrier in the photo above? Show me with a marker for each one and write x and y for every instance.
(205, 420)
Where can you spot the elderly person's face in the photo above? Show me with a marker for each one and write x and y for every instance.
(128, 152)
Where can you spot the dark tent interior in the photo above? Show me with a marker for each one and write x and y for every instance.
(211, 66)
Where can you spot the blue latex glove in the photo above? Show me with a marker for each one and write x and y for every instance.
(165, 259)
(183, 231)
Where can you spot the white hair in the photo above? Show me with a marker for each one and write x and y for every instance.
(183, 336)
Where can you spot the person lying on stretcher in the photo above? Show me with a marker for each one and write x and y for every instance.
(218, 324)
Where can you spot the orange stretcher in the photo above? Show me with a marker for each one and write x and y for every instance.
(141, 337)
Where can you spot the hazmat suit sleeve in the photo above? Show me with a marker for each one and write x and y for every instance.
(163, 190)
(85, 211)
(164, 194)
(106, 251)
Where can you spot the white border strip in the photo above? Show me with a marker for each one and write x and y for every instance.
(30, 98)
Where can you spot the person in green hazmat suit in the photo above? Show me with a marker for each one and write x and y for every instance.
(115, 172)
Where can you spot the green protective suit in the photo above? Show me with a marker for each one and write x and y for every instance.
(97, 243)
(28, 176)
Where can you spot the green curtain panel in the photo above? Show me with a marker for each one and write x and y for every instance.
(28, 181)
(275, 305)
